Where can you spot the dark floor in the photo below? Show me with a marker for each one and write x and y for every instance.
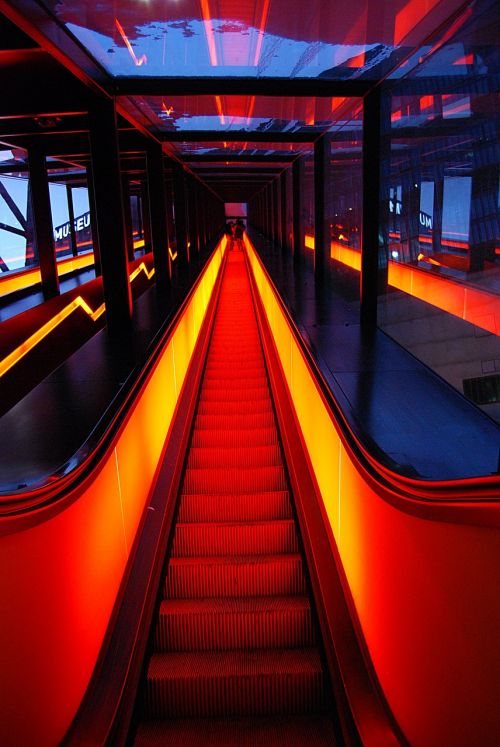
(413, 420)
(410, 418)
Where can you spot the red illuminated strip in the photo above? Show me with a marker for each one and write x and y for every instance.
(470, 304)
(137, 61)
(408, 17)
(25, 278)
(209, 32)
(262, 26)
(78, 303)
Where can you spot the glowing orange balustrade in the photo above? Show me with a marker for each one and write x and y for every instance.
(25, 278)
(473, 305)
(64, 569)
(422, 589)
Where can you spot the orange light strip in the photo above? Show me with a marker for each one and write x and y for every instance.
(209, 32)
(24, 278)
(77, 303)
(173, 255)
(137, 61)
(473, 305)
(262, 26)
(218, 103)
(250, 114)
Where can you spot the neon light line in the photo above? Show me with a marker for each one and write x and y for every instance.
(137, 61)
(77, 303)
(260, 38)
(473, 305)
(209, 31)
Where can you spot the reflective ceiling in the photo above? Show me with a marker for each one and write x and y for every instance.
(153, 55)
(263, 114)
(334, 39)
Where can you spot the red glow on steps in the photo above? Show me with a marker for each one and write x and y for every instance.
(235, 644)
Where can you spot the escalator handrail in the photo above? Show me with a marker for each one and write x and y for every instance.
(469, 497)
(79, 468)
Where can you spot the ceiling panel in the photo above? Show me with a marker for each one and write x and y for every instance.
(264, 38)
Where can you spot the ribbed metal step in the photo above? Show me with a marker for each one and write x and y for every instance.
(235, 683)
(242, 507)
(234, 456)
(240, 438)
(241, 576)
(290, 731)
(235, 636)
(234, 480)
(226, 538)
(224, 624)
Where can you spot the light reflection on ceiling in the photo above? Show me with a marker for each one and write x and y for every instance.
(236, 113)
(265, 38)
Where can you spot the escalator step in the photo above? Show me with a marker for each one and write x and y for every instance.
(205, 438)
(234, 480)
(258, 380)
(249, 538)
(235, 683)
(293, 731)
(235, 635)
(234, 456)
(225, 407)
(243, 507)
(244, 421)
(223, 624)
(226, 394)
(220, 371)
(241, 576)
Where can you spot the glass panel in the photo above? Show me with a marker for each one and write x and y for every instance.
(266, 114)
(278, 38)
(17, 246)
(83, 228)
(443, 226)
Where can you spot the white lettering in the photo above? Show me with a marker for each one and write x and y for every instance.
(79, 224)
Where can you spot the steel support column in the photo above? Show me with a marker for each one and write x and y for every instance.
(297, 176)
(369, 277)
(127, 218)
(284, 204)
(277, 212)
(71, 215)
(109, 213)
(180, 215)
(93, 223)
(42, 220)
(321, 153)
(146, 215)
(158, 228)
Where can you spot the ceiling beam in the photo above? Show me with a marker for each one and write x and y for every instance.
(239, 136)
(283, 158)
(240, 86)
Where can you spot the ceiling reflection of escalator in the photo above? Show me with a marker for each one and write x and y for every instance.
(236, 657)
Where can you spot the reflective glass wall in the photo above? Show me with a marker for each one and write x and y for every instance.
(17, 246)
(441, 222)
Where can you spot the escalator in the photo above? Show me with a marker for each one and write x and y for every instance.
(235, 655)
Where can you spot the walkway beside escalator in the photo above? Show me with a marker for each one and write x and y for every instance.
(236, 659)
(406, 415)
